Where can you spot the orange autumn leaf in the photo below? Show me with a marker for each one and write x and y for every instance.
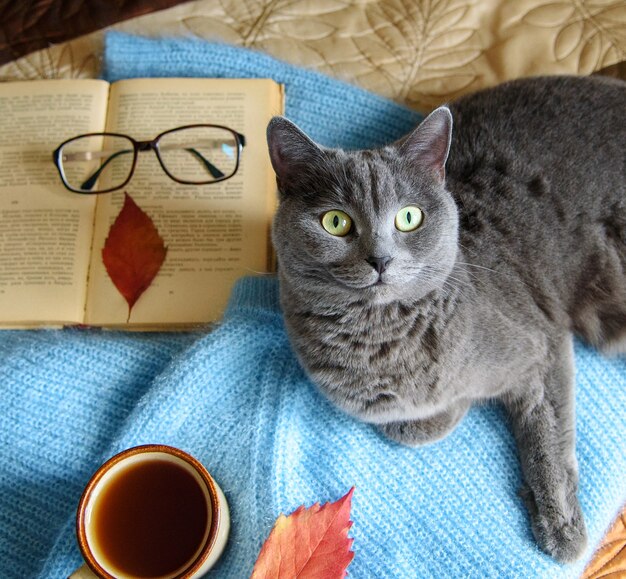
(133, 252)
(310, 543)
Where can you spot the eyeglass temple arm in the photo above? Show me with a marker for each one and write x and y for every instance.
(88, 184)
(91, 181)
(210, 167)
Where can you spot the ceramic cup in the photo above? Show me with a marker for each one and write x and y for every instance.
(151, 511)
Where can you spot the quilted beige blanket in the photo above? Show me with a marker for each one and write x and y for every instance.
(418, 52)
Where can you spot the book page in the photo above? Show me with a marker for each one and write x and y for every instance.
(214, 233)
(45, 230)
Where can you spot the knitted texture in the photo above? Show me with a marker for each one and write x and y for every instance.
(237, 399)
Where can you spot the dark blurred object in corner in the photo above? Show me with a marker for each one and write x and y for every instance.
(31, 25)
(616, 70)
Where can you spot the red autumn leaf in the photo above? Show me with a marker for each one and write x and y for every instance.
(310, 543)
(133, 252)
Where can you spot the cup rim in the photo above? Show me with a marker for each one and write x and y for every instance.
(209, 543)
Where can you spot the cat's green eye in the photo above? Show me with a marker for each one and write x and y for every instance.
(337, 222)
(409, 218)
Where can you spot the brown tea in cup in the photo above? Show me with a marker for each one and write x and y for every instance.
(151, 511)
(150, 519)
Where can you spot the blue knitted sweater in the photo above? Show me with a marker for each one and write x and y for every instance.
(237, 399)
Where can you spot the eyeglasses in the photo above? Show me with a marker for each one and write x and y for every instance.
(193, 155)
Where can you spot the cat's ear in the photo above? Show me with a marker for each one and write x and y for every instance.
(429, 143)
(291, 151)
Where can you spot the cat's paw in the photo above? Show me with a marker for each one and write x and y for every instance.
(561, 535)
(419, 432)
(564, 540)
(414, 432)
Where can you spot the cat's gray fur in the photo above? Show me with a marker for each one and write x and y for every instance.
(523, 242)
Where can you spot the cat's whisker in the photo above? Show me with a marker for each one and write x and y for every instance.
(257, 272)
(471, 274)
(450, 282)
(512, 276)
(478, 266)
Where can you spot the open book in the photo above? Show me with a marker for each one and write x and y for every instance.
(51, 240)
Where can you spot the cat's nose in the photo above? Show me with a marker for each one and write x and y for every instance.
(379, 263)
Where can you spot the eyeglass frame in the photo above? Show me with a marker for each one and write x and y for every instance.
(151, 145)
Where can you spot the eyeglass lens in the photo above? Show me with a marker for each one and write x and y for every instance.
(198, 155)
(97, 163)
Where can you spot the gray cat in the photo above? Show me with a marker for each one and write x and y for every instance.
(453, 266)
